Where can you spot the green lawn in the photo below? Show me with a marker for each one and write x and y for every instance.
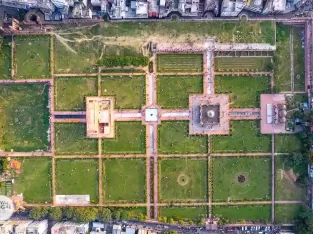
(179, 213)
(282, 62)
(244, 90)
(287, 213)
(70, 92)
(130, 137)
(173, 91)
(129, 92)
(183, 179)
(256, 172)
(124, 180)
(174, 138)
(79, 49)
(32, 57)
(287, 186)
(5, 58)
(24, 118)
(242, 64)
(299, 56)
(288, 143)
(180, 62)
(70, 139)
(235, 214)
(34, 180)
(130, 213)
(245, 137)
(77, 177)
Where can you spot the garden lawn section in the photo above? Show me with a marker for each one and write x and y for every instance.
(288, 143)
(75, 54)
(32, 56)
(70, 139)
(183, 213)
(235, 214)
(245, 137)
(299, 56)
(5, 58)
(179, 62)
(286, 213)
(124, 180)
(174, 138)
(287, 186)
(183, 179)
(173, 91)
(24, 119)
(257, 178)
(77, 177)
(244, 90)
(70, 92)
(260, 64)
(128, 91)
(282, 62)
(130, 137)
(34, 180)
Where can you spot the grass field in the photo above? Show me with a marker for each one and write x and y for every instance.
(255, 171)
(129, 92)
(174, 138)
(181, 213)
(180, 62)
(34, 181)
(286, 185)
(24, 119)
(183, 179)
(70, 139)
(70, 92)
(32, 57)
(299, 56)
(248, 213)
(245, 137)
(282, 62)
(73, 53)
(286, 214)
(244, 90)
(173, 91)
(130, 137)
(5, 58)
(77, 177)
(124, 180)
(242, 64)
(288, 143)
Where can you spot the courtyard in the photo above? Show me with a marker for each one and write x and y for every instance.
(154, 160)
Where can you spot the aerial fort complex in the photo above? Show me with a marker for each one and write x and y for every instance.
(183, 120)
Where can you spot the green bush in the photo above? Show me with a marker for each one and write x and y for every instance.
(122, 61)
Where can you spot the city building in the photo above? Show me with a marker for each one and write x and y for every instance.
(70, 228)
(38, 227)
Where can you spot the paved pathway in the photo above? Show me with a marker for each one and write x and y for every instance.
(245, 73)
(69, 112)
(245, 114)
(273, 178)
(148, 170)
(174, 114)
(127, 115)
(26, 154)
(12, 58)
(25, 81)
(67, 120)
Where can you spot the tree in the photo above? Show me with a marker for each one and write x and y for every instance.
(171, 221)
(68, 212)
(55, 213)
(85, 214)
(117, 214)
(105, 214)
(38, 212)
(304, 221)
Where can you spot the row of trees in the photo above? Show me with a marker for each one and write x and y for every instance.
(84, 214)
(171, 220)
(123, 61)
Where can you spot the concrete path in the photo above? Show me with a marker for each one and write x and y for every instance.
(26, 154)
(292, 75)
(174, 114)
(127, 115)
(25, 81)
(148, 170)
(273, 178)
(245, 114)
(67, 120)
(245, 73)
(69, 112)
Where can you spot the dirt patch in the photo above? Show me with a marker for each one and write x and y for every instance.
(289, 175)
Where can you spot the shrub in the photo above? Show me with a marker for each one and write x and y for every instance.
(122, 61)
